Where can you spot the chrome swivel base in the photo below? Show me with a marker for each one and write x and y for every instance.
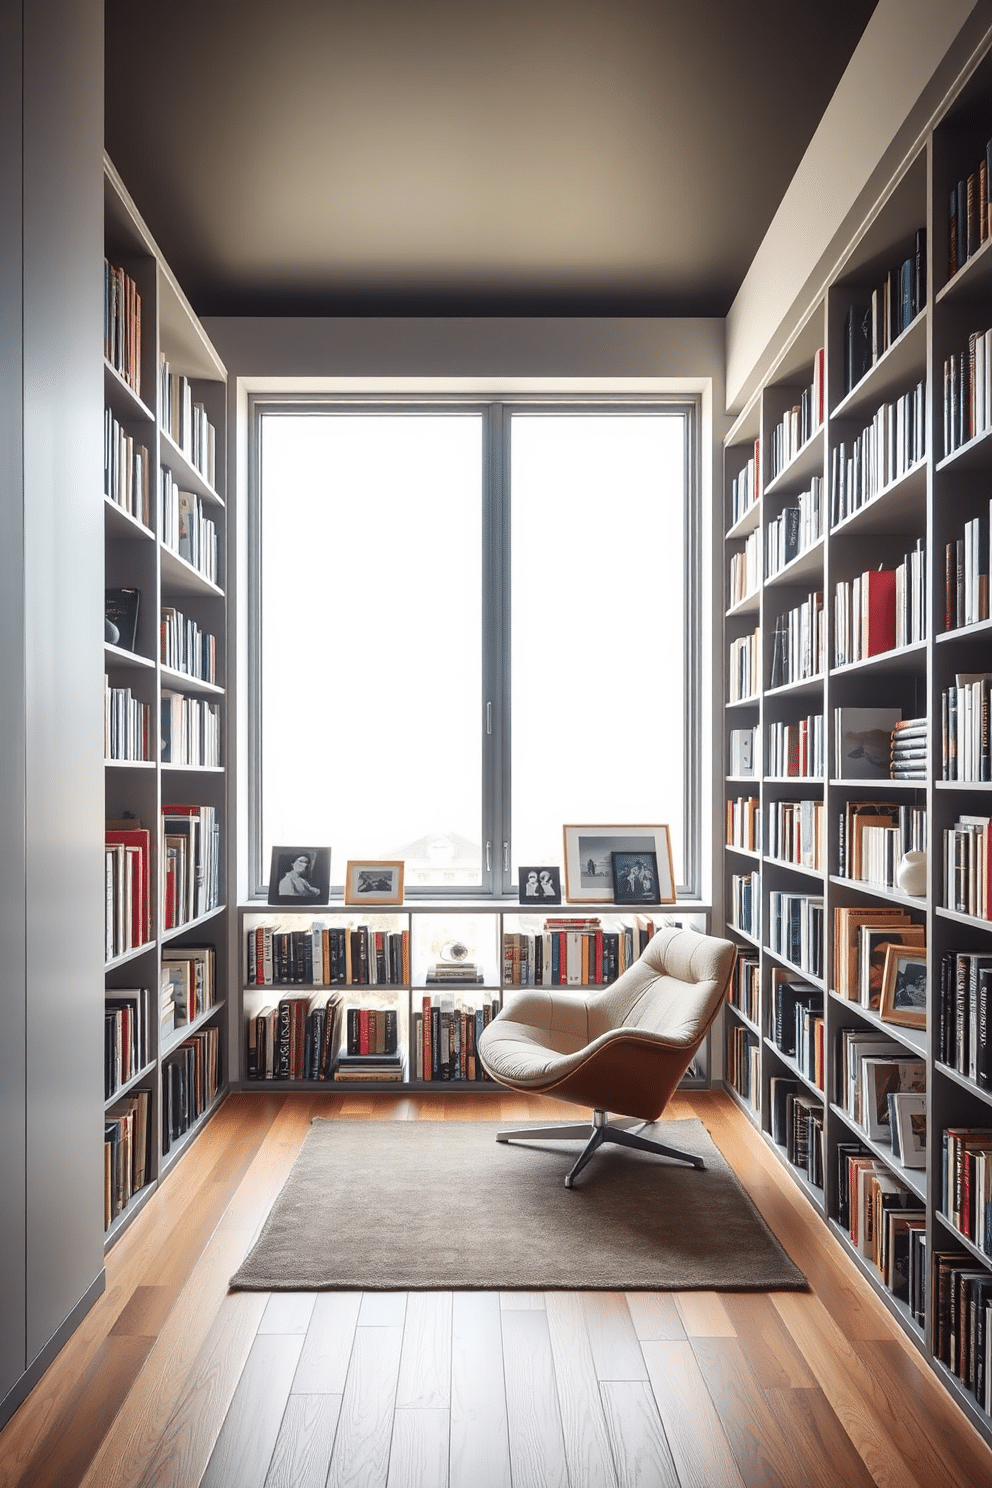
(597, 1132)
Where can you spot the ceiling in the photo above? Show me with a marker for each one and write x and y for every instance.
(389, 157)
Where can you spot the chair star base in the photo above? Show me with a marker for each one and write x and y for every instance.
(595, 1133)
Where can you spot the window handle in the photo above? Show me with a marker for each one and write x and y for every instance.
(506, 857)
(489, 857)
(489, 718)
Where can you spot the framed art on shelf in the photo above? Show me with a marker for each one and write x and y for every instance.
(635, 877)
(374, 883)
(904, 986)
(539, 885)
(300, 875)
(589, 861)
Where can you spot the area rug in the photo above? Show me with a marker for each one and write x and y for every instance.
(420, 1206)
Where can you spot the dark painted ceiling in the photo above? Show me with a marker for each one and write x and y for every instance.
(348, 157)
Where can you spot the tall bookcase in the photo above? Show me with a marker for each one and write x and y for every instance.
(166, 723)
(903, 502)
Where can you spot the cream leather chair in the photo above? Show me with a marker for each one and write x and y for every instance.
(622, 1048)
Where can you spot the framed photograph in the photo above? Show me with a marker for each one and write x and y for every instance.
(908, 1124)
(904, 986)
(589, 861)
(635, 877)
(300, 875)
(374, 883)
(873, 948)
(539, 885)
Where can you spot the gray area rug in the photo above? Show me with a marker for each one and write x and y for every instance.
(421, 1205)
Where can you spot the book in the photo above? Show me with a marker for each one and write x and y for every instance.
(122, 606)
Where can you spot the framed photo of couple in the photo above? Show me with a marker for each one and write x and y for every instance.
(619, 865)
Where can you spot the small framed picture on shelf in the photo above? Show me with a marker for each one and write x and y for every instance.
(374, 883)
(589, 861)
(122, 607)
(539, 885)
(904, 986)
(300, 875)
(908, 1125)
(635, 877)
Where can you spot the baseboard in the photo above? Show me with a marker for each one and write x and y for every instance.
(22, 1389)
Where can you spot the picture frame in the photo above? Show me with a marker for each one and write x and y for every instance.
(908, 1123)
(635, 877)
(874, 942)
(374, 882)
(589, 864)
(904, 986)
(300, 875)
(538, 886)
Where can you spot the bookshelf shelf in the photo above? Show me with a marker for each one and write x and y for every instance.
(887, 309)
(154, 423)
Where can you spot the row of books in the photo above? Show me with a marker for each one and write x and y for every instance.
(745, 985)
(967, 562)
(965, 732)
(962, 1337)
(745, 488)
(795, 530)
(127, 724)
(326, 956)
(745, 903)
(862, 934)
(797, 1028)
(795, 750)
(882, 1216)
(186, 422)
(127, 476)
(872, 325)
(800, 422)
(797, 833)
(968, 867)
(122, 324)
(190, 1082)
(125, 1152)
(298, 1038)
(743, 1070)
(190, 731)
(445, 1038)
(576, 952)
(881, 609)
(745, 569)
(186, 647)
(185, 528)
(799, 643)
(741, 753)
(874, 835)
(964, 1002)
(872, 1067)
(744, 666)
(190, 862)
(797, 1125)
(968, 392)
(966, 1179)
(125, 1037)
(884, 451)
(188, 986)
(128, 919)
(968, 214)
(795, 930)
(744, 823)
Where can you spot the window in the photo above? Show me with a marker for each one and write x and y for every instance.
(468, 627)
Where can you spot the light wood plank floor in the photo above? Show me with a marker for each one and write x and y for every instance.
(172, 1382)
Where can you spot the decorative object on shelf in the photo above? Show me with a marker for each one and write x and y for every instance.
(904, 986)
(635, 877)
(911, 874)
(589, 863)
(374, 883)
(539, 885)
(454, 967)
(300, 875)
(122, 617)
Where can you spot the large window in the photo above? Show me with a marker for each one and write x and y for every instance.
(470, 625)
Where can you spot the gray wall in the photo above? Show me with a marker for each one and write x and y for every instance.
(51, 666)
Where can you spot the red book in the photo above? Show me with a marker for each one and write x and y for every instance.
(425, 1035)
(138, 838)
(599, 955)
(878, 610)
(364, 1043)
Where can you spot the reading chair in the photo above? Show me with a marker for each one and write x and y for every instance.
(621, 1049)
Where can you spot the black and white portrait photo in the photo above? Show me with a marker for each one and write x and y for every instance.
(635, 877)
(539, 885)
(300, 875)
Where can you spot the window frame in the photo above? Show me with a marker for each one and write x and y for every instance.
(497, 883)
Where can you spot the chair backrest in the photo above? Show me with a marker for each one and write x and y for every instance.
(675, 988)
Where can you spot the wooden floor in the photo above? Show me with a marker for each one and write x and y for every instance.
(172, 1381)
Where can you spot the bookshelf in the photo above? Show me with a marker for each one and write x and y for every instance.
(883, 481)
(501, 946)
(165, 393)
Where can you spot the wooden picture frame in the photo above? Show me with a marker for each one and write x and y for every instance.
(378, 882)
(300, 875)
(589, 863)
(904, 986)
